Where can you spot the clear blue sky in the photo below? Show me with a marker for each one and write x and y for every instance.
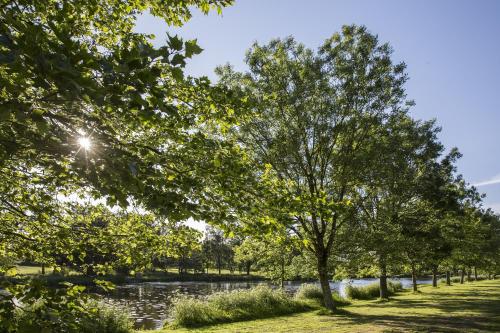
(451, 47)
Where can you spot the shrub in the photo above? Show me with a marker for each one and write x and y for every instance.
(105, 318)
(35, 308)
(236, 305)
(312, 292)
(372, 290)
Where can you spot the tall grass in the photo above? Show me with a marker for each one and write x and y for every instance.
(106, 318)
(238, 305)
(372, 290)
(312, 292)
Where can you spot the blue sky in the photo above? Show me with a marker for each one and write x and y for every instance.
(451, 47)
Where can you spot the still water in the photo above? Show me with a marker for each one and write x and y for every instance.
(149, 302)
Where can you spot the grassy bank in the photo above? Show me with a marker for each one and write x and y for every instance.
(471, 307)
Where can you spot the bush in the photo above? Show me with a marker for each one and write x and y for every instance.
(312, 292)
(35, 308)
(372, 290)
(92, 317)
(105, 318)
(236, 305)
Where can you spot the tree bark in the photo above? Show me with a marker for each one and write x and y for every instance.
(43, 269)
(383, 278)
(324, 282)
(468, 275)
(414, 278)
(462, 276)
(434, 277)
(448, 279)
(249, 264)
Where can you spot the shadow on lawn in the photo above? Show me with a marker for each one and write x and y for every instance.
(474, 310)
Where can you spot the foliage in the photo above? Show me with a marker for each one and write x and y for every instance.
(76, 69)
(237, 305)
(36, 308)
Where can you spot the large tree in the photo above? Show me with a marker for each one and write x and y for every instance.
(312, 116)
(88, 103)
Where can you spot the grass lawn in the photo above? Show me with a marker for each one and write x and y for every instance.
(32, 270)
(472, 307)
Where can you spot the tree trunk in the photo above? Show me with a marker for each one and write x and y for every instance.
(448, 279)
(475, 273)
(462, 276)
(468, 275)
(249, 264)
(43, 269)
(323, 280)
(434, 277)
(414, 278)
(282, 275)
(383, 278)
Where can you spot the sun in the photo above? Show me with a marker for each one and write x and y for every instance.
(84, 142)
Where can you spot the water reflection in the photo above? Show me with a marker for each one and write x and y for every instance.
(149, 302)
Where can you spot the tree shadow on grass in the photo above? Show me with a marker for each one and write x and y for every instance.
(476, 310)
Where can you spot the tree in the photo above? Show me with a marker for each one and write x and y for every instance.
(75, 72)
(217, 248)
(311, 116)
(403, 147)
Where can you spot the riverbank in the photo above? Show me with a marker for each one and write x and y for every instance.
(53, 279)
(471, 307)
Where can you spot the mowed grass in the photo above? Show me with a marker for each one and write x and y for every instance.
(471, 307)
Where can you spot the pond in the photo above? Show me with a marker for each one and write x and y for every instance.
(149, 302)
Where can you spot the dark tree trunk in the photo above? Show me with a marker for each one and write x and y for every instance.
(468, 275)
(475, 273)
(282, 275)
(43, 269)
(325, 283)
(434, 277)
(383, 278)
(249, 264)
(462, 276)
(414, 278)
(448, 279)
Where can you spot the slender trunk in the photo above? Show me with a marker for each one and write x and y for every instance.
(282, 276)
(475, 273)
(43, 269)
(434, 277)
(249, 264)
(323, 280)
(448, 279)
(383, 278)
(489, 276)
(468, 275)
(414, 278)
(462, 276)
